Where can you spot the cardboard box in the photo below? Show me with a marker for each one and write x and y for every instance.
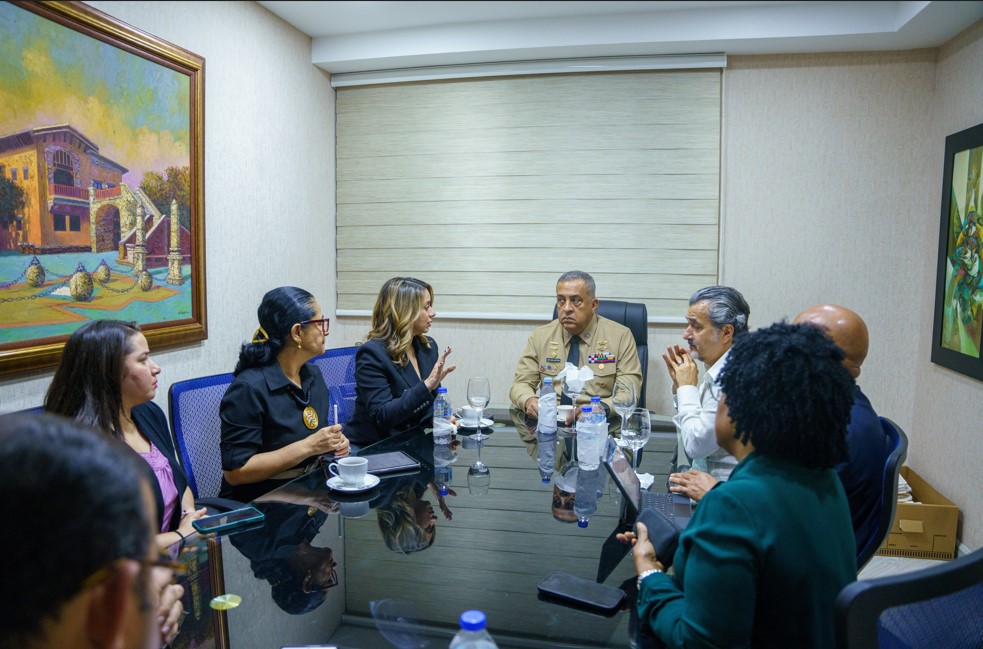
(923, 530)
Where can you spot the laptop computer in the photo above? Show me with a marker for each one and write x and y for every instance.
(675, 506)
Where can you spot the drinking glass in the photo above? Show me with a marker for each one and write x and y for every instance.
(636, 432)
(624, 399)
(479, 477)
(479, 394)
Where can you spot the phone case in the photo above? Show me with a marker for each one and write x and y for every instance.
(205, 525)
(663, 534)
(581, 592)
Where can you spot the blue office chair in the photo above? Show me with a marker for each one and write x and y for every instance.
(36, 410)
(338, 368)
(897, 443)
(633, 315)
(193, 406)
(940, 606)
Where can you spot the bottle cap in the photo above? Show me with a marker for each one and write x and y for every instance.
(547, 479)
(582, 522)
(443, 490)
(441, 390)
(472, 620)
(595, 399)
(588, 409)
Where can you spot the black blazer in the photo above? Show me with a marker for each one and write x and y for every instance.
(151, 421)
(389, 398)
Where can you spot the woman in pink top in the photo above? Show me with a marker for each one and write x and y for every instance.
(107, 380)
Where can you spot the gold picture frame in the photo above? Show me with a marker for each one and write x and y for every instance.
(101, 163)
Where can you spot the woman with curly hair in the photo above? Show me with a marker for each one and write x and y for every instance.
(397, 369)
(766, 552)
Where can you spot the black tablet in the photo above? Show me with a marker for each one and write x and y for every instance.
(391, 462)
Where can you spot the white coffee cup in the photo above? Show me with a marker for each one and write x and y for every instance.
(562, 412)
(351, 470)
(469, 416)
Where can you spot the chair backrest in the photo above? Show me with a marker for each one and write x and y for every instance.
(193, 406)
(941, 606)
(897, 444)
(338, 368)
(36, 410)
(633, 315)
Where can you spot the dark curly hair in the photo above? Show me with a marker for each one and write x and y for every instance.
(788, 393)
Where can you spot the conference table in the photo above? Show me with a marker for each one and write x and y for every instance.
(395, 567)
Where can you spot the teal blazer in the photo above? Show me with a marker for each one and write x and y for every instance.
(760, 564)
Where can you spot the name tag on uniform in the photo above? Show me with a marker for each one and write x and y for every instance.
(553, 360)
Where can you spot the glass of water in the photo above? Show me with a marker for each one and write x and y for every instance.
(623, 398)
(636, 431)
(479, 394)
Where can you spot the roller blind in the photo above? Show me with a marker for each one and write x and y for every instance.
(489, 189)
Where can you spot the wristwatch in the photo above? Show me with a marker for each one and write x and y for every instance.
(642, 575)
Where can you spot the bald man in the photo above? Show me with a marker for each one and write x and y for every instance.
(867, 445)
(862, 474)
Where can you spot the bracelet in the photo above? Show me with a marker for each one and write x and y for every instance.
(178, 532)
(642, 575)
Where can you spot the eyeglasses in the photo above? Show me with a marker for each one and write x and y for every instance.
(162, 561)
(325, 324)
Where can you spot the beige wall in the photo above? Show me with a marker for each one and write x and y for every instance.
(831, 180)
(948, 413)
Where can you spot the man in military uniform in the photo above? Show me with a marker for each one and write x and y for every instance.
(607, 347)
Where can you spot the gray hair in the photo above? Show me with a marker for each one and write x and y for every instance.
(579, 276)
(725, 305)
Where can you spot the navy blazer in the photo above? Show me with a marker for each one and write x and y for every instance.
(390, 398)
(151, 421)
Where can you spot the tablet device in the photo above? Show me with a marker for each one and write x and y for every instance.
(663, 534)
(391, 462)
(581, 593)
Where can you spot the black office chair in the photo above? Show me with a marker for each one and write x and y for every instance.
(633, 315)
(897, 443)
(940, 606)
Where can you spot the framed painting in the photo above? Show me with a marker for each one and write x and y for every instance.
(959, 279)
(101, 181)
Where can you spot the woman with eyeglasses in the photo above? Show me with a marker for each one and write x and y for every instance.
(107, 380)
(276, 413)
(398, 369)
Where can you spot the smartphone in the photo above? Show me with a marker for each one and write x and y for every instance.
(230, 520)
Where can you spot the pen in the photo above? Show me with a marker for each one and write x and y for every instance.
(336, 414)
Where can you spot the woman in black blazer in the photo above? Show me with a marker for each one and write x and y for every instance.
(107, 380)
(398, 369)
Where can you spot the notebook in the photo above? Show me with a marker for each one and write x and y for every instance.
(675, 506)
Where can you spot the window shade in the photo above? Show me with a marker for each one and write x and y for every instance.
(489, 189)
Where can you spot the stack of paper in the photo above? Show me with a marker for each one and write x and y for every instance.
(904, 491)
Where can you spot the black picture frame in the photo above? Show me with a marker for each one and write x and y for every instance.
(958, 322)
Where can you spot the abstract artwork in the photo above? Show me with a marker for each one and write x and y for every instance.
(959, 280)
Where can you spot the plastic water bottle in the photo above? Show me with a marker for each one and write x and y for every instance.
(442, 426)
(601, 422)
(546, 454)
(590, 484)
(547, 407)
(473, 634)
(442, 476)
(588, 441)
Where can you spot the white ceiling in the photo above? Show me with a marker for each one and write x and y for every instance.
(362, 36)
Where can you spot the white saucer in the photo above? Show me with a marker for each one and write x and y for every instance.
(485, 423)
(370, 481)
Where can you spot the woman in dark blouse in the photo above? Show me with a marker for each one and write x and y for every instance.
(397, 370)
(106, 380)
(276, 414)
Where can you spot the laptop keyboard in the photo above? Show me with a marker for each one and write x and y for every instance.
(658, 500)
